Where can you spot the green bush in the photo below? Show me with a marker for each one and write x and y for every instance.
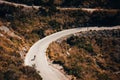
(88, 47)
(54, 24)
(103, 77)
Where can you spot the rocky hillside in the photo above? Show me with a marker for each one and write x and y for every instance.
(20, 27)
(13, 47)
(12, 51)
(92, 55)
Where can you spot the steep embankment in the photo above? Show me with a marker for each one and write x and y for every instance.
(12, 51)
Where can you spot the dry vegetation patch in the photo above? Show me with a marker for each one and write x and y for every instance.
(90, 55)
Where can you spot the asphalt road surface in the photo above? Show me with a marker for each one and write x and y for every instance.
(38, 53)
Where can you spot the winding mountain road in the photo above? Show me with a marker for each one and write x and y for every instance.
(37, 54)
(59, 8)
